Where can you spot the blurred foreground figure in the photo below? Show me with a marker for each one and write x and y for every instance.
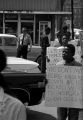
(10, 108)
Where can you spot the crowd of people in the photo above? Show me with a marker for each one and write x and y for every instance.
(68, 52)
(13, 109)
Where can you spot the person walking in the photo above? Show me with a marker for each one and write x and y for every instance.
(24, 40)
(10, 107)
(68, 60)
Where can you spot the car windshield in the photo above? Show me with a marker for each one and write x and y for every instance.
(8, 41)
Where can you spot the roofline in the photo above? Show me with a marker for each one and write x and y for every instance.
(56, 13)
(39, 12)
(7, 35)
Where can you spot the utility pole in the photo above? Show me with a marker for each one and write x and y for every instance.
(72, 18)
(61, 9)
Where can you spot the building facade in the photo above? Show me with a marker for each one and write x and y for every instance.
(35, 15)
(77, 12)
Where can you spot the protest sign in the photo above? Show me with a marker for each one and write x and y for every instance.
(81, 44)
(65, 86)
(54, 54)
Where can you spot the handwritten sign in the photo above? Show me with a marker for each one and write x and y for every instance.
(55, 54)
(65, 86)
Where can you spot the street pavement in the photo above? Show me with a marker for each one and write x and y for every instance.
(36, 50)
(44, 109)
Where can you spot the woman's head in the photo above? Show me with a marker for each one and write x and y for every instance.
(3, 60)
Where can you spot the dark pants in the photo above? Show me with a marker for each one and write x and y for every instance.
(71, 113)
(43, 61)
(22, 51)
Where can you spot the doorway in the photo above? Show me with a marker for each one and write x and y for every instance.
(42, 27)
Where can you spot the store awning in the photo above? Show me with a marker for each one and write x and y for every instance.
(30, 5)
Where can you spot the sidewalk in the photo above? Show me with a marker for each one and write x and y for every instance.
(48, 111)
(44, 109)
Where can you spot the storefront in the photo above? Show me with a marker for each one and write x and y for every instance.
(35, 15)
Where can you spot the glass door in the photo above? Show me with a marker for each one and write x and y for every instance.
(42, 27)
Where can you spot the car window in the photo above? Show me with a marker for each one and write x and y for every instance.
(10, 41)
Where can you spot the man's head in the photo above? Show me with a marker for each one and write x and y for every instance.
(64, 40)
(47, 31)
(24, 30)
(65, 28)
(68, 52)
(3, 61)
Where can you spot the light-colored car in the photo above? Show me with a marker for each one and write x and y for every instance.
(22, 76)
(22, 65)
(8, 44)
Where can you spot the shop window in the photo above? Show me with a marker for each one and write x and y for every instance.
(11, 28)
(11, 17)
(27, 17)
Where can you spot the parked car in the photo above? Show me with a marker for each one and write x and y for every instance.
(8, 44)
(24, 79)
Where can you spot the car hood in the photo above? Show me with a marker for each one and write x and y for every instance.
(19, 64)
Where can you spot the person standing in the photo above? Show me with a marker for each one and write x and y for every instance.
(63, 33)
(24, 40)
(10, 107)
(68, 60)
(44, 45)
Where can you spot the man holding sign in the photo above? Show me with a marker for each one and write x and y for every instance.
(68, 59)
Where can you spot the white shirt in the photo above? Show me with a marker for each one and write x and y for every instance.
(27, 39)
(11, 108)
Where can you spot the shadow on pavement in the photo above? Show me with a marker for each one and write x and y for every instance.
(35, 115)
